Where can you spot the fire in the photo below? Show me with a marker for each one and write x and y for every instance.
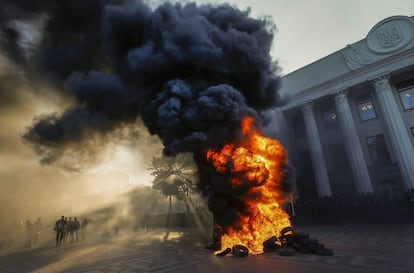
(256, 164)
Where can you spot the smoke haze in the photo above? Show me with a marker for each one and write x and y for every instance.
(105, 69)
(30, 190)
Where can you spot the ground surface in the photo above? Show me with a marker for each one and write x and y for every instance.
(358, 248)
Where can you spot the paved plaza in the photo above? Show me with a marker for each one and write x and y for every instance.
(357, 248)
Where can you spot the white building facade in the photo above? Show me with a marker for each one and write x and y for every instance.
(348, 125)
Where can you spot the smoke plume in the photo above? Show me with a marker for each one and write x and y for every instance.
(190, 72)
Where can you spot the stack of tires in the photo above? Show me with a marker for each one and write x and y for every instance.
(290, 242)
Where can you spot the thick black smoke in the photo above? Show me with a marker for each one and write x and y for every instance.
(71, 34)
(190, 72)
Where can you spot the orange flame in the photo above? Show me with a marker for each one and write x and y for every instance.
(258, 161)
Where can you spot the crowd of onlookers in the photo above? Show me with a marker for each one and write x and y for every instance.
(27, 233)
(337, 209)
(67, 229)
(368, 208)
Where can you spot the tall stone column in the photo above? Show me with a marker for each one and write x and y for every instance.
(352, 144)
(396, 129)
(318, 160)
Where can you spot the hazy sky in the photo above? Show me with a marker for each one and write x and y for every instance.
(307, 30)
(311, 29)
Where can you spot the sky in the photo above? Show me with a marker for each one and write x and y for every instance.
(307, 31)
(312, 29)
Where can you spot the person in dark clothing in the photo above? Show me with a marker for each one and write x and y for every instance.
(69, 230)
(60, 230)
(75, 228)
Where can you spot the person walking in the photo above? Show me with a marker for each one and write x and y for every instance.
(60, 230)
(75, 228)
(29, 234)
(69, 230)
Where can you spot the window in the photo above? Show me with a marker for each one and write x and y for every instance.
(328, 117)
(378, 150)
(329, 120)
(332, 117)
(366, 110)
(407, 97)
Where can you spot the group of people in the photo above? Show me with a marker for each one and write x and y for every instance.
(67, 229)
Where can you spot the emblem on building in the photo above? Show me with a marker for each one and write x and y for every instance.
(357, 55)
(390, 36)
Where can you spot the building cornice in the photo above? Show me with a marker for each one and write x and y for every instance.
(355, 77)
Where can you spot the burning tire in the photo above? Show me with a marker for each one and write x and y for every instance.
(271, 241)
(270, 245)
(240, 251)
(287, 240)
(286, 230)
(224, 252)
(273, 248)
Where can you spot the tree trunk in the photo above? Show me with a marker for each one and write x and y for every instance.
(167, 222)
(187, 205)
(169, 204)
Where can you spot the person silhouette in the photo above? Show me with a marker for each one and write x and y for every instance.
(60, 230)
(37, 227)
(29, 233)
